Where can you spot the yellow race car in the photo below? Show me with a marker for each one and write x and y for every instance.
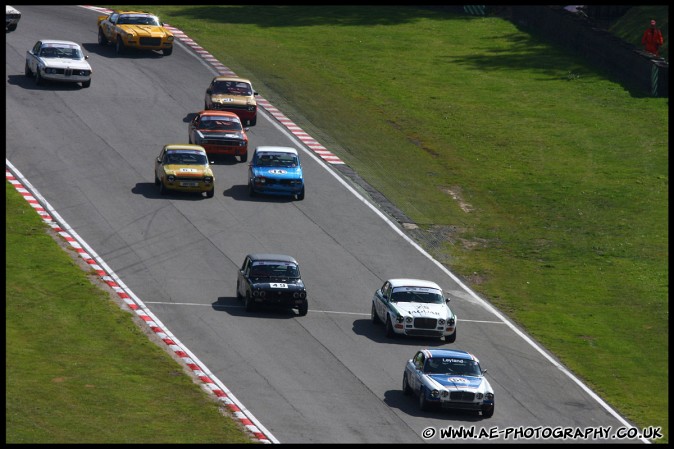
(185, 168)
(134, 29)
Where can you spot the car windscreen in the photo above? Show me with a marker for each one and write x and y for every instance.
(275, 269)
(422, 295)
(185, 158)
(210, 123)
(275, 160)
(448, 365)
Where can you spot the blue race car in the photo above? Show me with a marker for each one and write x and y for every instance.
(276, 170)
(448, 379)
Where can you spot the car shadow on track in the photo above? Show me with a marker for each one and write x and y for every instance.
(28, 83)
(108, 51)
(149, 190)
(410, 406)
(240, 193)
(377, 333)
(235, 307)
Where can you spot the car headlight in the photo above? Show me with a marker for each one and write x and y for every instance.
(171, 178)
(259, 180)
(479, 396)
(169, 38)
(445, 393)
(208, 179)
(400, 318)
(489, 396)
(441, 322)
(251, 107)
(435, 394)
(409, 319)
(451, 322)
(300, 295)
(49, 70)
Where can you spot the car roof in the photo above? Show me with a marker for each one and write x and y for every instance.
(274, 257)
(230, 78)
(134, 12)
(184, 146)
(58, 42)
(212, 112)
(408, 282)
(449, 353)
(276, 149)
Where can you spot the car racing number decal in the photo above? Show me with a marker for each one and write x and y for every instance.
(278, 285)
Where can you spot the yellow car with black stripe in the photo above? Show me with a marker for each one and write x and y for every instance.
(134, 29)
(183, 167)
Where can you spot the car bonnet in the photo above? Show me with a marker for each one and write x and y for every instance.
(416, 309)
(278, 172)
(454, 382)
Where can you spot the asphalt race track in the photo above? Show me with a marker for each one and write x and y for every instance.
(329, 377)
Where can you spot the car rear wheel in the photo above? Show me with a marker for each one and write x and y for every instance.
(390, 333)
(406, 386)
(450, 338)
(102, 40)
(488, 412)
(27, 71)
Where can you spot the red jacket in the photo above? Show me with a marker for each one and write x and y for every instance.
(652, 40)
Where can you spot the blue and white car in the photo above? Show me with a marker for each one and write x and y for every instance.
(57, 60)
(448, 379)
(12, 17)
(276, 170)
(414, 307)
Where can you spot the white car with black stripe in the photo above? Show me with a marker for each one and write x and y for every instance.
(414, 307)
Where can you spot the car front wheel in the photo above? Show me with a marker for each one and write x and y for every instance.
(102, 40)
(38, 77)
(119, 46)
(244, 157)
(300, 196)
(167, 51)
(86, 83)
(162, 188)
(373, 315)
(390, 333)
(450, 338)
(210, 193)
(488, 412)
(407, 390)
(250, 304)
(303, 308)
(423, 403)
(27, 71)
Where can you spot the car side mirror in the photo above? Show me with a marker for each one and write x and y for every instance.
(86, 56)
(484, 372)
(208, 91)
(246, 129)
(447, 300)
(255, 93)
(158, 159)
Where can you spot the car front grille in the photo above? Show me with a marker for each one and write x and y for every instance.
(150, 41)
(465, 396)
(279, 182)
(425, 323)
(225, 142)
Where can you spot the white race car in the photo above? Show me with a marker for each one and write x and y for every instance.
(448, 379)
(57, 60)
(414, 307)
(12, 17)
